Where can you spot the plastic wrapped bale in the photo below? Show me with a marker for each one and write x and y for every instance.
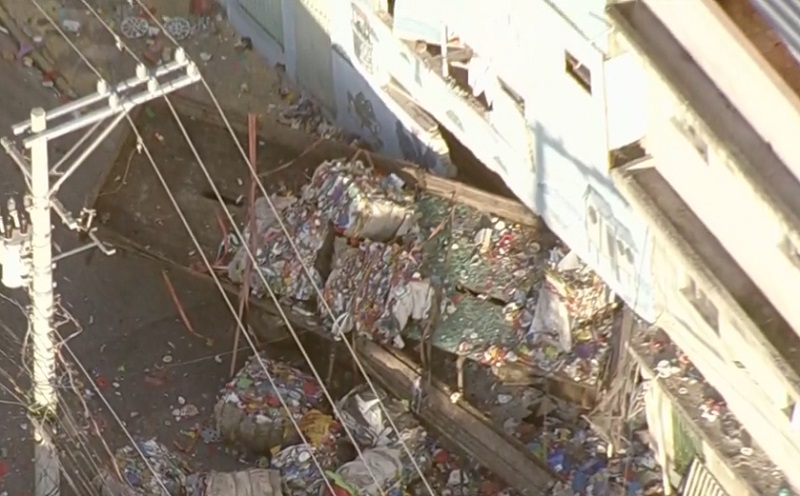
(360, 411)
(295, 462)
(249, 412)
(359, 202)
(252, 482)
(377, 472)
(278, 261)
(137, 479)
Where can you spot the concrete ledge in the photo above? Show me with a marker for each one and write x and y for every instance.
(704, 254)
(751, 155)
(727, 467)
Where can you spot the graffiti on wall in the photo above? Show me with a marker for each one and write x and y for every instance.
(361, 110)
(364, 40)
(413, 149)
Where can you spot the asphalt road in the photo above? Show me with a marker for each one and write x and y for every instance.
(129, 324)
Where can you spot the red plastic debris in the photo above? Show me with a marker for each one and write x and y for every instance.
(101, 382)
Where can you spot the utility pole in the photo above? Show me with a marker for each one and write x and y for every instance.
(26, 254)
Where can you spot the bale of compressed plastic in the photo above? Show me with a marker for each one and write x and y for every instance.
(359, 202)
(164, 473)
(378, 471)
(249, 412)
(366, 415)
(299, 473)
(252, 482)
(360, 411)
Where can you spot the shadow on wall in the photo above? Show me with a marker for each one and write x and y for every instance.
(581, 205)
(342, 79)
(471, 170)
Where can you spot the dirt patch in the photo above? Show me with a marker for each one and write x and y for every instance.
(134, 203)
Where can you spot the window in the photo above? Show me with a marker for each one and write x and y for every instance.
(790, 246)
(578, 72)
(692, 136)
(700, 302)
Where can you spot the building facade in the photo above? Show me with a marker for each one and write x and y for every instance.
(720, 198)
(632, 129)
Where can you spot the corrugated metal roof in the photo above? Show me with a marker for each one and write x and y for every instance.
(700, 482)
(784, 17)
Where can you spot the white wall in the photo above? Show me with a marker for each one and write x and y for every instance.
(738, 70)
(750, 401)
(726, 202)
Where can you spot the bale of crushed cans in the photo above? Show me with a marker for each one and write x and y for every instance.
(277, 253)
(252, 482)
(249, 412)
(367, 286)
(158, 472)
(297, 463)
(359, 202)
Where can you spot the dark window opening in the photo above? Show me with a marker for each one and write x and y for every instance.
(698, 299)
(592, 215)
(693, 136)
(579, 72)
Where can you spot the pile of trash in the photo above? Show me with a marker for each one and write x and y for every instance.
(391, 264)
(148, 469)
(250, 412)
(304, 114)
(151, 469)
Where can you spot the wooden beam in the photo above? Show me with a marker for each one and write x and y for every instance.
(459, 423)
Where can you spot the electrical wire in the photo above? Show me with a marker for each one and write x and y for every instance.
(241, 325)
(66, 419)
(278, 217)
(251, 256)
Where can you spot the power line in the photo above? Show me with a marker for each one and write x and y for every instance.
(251, 256)
(252, 345)
(278, 217)
(67, 420)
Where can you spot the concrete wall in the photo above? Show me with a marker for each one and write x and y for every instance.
(706, 32)
(728, 204)
(661, 423)
(753, 391)
(359, 104)
(565, 178)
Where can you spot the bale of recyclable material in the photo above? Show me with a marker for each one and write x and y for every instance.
(365, 287)
(484, 254)
(136, 478)
(359, 202)
(265, 219)
(276, 252)
(377, 471)
(299, 473)
(252, 482)
(249, 413)
(366, 415)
